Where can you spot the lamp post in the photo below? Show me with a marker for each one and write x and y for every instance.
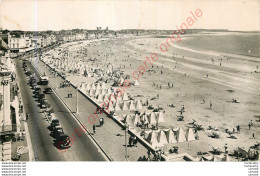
(77, 101)
(126, 130)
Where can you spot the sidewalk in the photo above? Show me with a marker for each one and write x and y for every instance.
(110, 136)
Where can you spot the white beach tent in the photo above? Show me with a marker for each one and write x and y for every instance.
(88, 87)
(152, 138)
(159, 117)
(104, 85)
(128, 119)
(121, 81)
(125, 106)
(91, 92)
(143, 117)
(100, 98)
(117, 106)
(190, 135)
(109, 91)
(93, 86)
(110, 106)
(162, 138)
(106, 97)
(131, 106)
(98, 86)
(136, 83)
(112, 97)
(138, 105)
(170, 136)
(181, 135)
(151, 118)
(97, 92)
(118, 98)
(103, 91)
(125, 97)
(136, 119)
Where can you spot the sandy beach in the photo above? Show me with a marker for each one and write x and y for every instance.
(181, 76)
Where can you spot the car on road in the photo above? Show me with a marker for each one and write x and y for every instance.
(44, 80)
(28, 73)
(57, 131)
(48, 90)
(38, 92)
(43, 105)
(63, 141)
(54, 123)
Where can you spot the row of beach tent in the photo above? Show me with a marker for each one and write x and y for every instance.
(94, 86)
(125, 105)
(150, 118)
(106, 95)
(166, 136)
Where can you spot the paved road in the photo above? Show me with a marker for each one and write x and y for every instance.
(83, 148)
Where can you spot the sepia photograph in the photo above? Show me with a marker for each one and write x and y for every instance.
(131, 80)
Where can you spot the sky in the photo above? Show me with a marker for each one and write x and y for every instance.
(38, 15)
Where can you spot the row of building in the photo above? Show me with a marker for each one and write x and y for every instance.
(10, 104)
(20, 41)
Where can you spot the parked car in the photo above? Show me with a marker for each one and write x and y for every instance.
(48, 90)
(57, 131)
(54, 123)
(28, 73)
(63, 142)
(44, 104)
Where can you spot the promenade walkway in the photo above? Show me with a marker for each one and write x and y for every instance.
(110, 136)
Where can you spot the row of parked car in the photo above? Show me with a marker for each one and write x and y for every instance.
(62, 140)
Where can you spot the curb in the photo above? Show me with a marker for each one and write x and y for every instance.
(28, 137)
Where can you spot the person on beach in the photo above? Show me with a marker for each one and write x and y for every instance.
(226, 148)
(251, 122)
(238, 129)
